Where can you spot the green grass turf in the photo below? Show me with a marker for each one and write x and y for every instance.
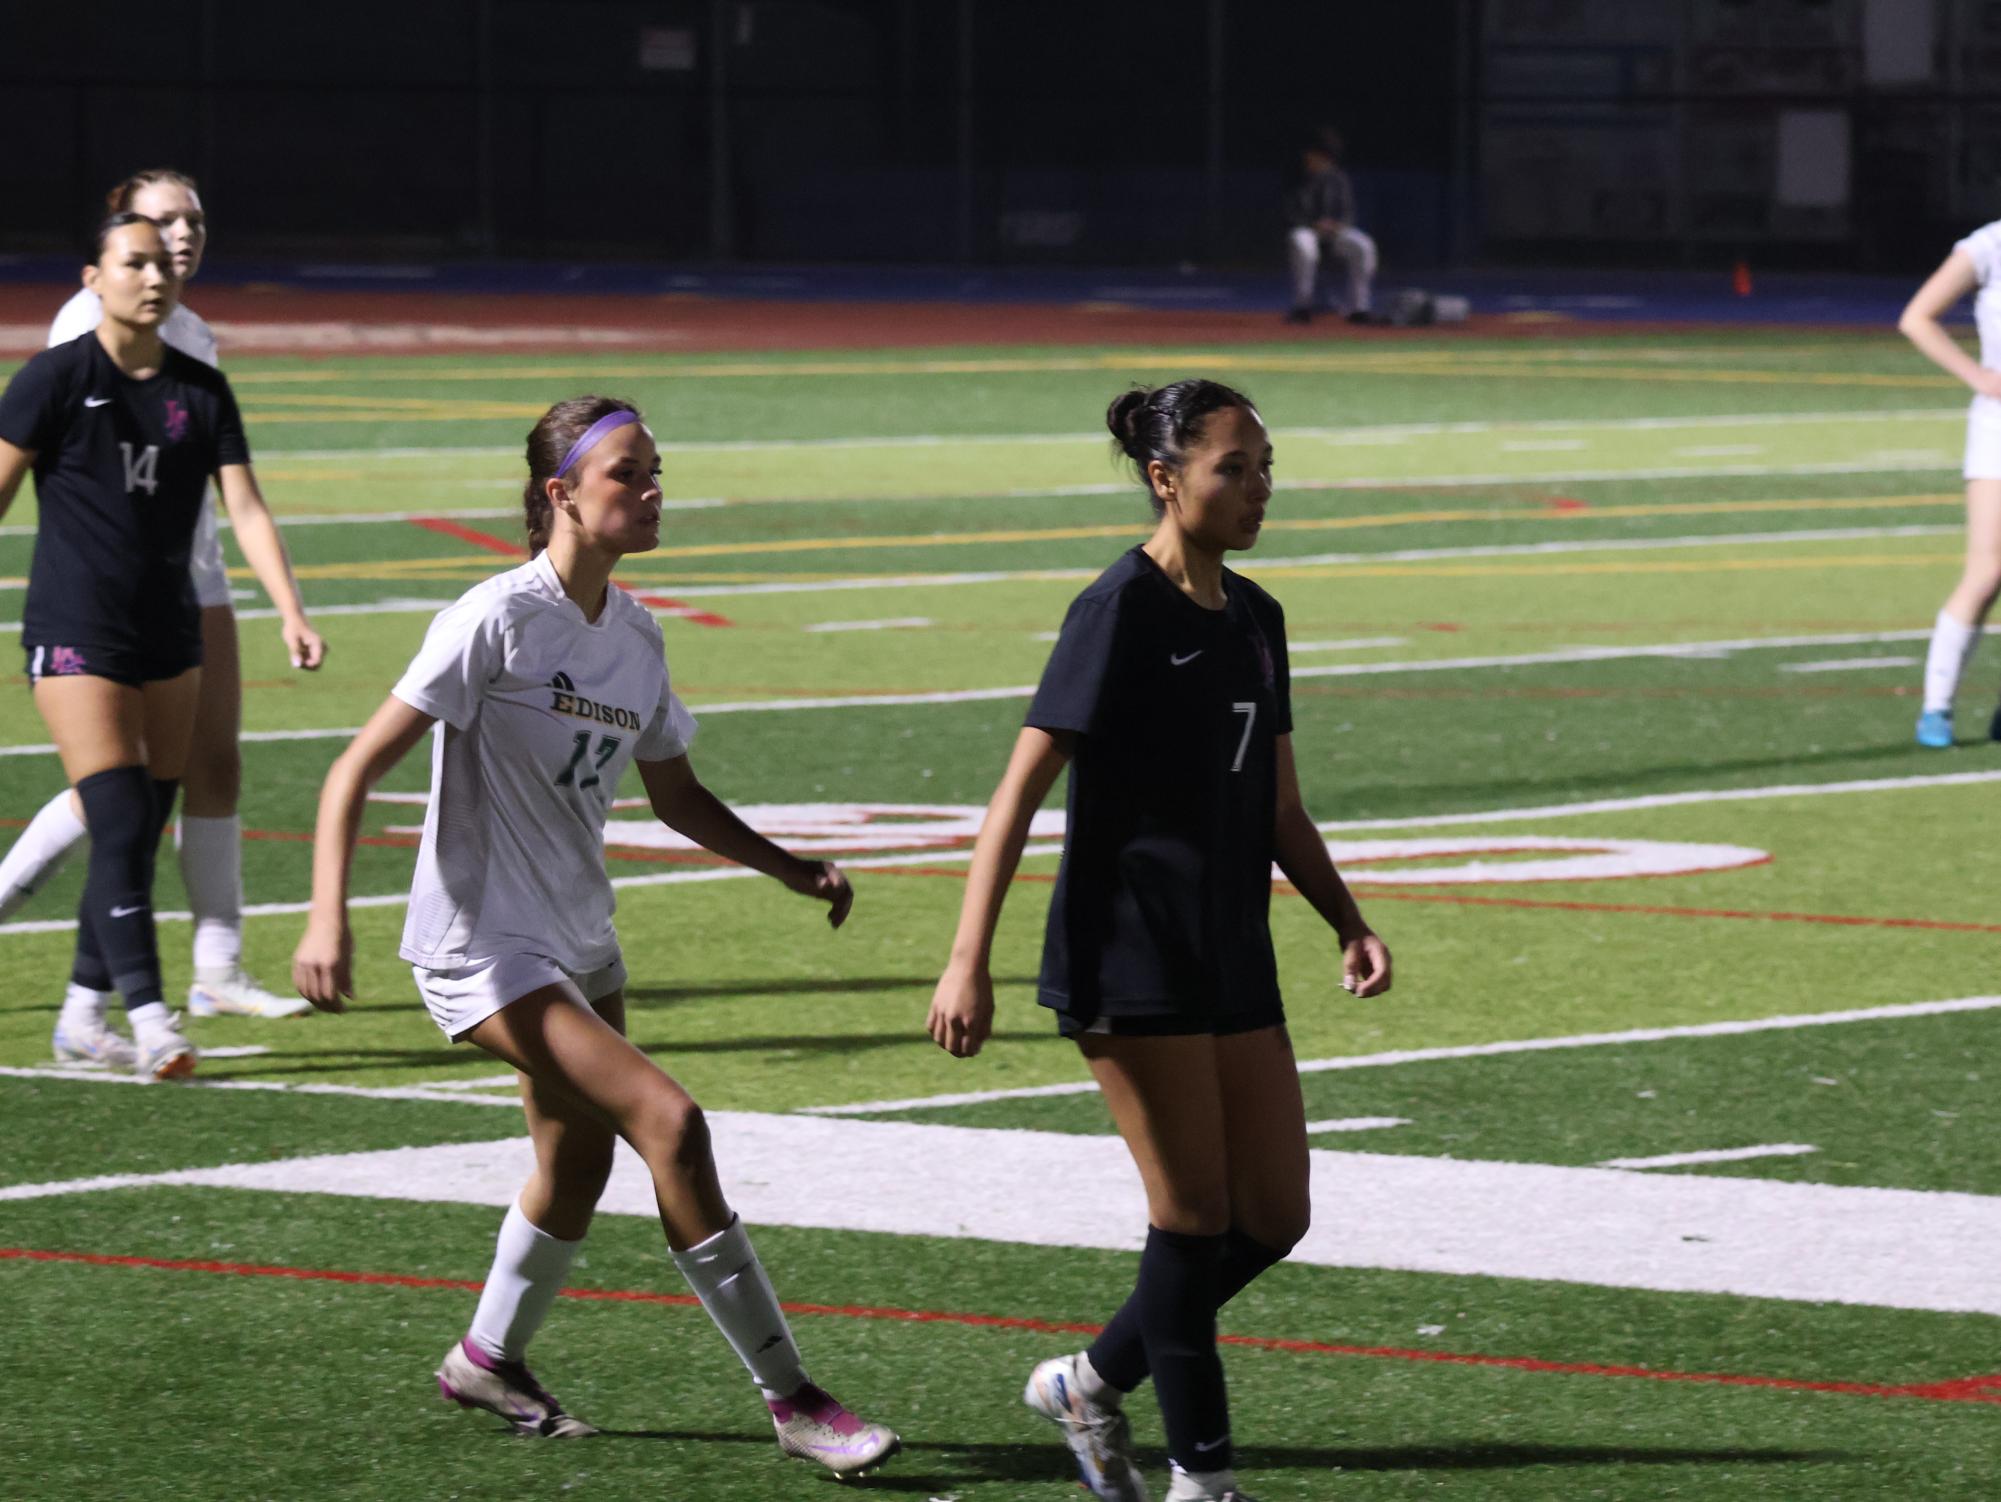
(290, 1358)
(256, 1387)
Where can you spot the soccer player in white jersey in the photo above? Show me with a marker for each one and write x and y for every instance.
(1973, 267)
(545, 683)
(210, 832)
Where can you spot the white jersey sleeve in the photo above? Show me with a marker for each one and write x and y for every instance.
(77, 317)
(1983, 248)
(460, 657)
(669, 733)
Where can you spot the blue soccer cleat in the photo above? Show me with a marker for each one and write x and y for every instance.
(1935, 729)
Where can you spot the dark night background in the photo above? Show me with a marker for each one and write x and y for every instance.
(1842, 134)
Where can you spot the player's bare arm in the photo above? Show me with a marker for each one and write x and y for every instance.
(962, 1006)
(323, 964)
(681, 802)
(257, 535)
(1302, 856)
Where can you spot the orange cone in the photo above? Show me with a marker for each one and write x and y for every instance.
(1740, 279)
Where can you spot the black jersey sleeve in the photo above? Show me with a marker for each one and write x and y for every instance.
(1281, 663)
(1078, 679)
(30, 407)
(231, 446)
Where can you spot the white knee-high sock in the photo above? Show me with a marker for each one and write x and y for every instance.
(729, 1280)
(212, 867)
(1952, 645)
(40, 851)
(529, 1266)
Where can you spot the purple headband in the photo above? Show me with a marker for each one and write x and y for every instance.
(611, 422)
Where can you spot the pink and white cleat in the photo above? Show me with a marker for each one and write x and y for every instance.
(811, 1425)
(472, 1379)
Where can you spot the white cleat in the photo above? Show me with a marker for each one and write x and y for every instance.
(1186, 1488)
(1099, 1436)
(811, 1425)
(164, 1054)
(237, 995)
(472, 1379)
(92, 1043)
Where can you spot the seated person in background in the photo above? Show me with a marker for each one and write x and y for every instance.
(1320, 214)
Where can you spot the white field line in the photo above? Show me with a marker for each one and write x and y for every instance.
(241, 1051)
(1352, 644)
(1668, 800)
(1695, 1233)
(1463, 1051)
(1355, 1124)
(1542, 445)
(277, 1087)
(694, 589)
(1849, 664)
(619, 883)
(1888, 462)
(1719, 451)
(1715, 1155)
(899, 623)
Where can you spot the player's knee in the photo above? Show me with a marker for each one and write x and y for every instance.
(1193, 1215)
(672, 1132)
(1280, 1230)
(213, 784)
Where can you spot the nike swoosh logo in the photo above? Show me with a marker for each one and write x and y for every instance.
(1213, 1444)
(97, 401)
(1184, 661)
(126, 912)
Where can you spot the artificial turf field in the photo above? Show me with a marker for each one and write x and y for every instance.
(1604, 663)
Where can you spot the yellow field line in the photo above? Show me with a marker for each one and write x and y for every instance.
(450, 565)
(1680, 566)
(1426, 361)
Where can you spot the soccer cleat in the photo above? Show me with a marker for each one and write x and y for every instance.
(163, 1054)
(811, 1425)
(1994, 727)
(1099, 1436)
(92, 1042)
(1185, 1488)
(1299, 315)
(1935, 729)
(472, 1379)
(237, 995)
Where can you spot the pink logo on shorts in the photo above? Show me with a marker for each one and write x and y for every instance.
(65, 662)
(177, 420)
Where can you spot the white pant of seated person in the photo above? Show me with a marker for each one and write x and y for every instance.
(1355, 250)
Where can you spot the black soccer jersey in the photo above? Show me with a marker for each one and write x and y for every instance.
(120, 466)
(1162, 905)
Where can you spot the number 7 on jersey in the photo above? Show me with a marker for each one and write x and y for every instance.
(1249, 710)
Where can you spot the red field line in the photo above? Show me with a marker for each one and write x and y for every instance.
(1983, 1389)
(445, 527)
(1844, 920)
(1468, 899)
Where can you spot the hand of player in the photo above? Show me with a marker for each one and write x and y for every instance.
(1988, 382)
(1365, 965)
(304, 645)
(824, 880)
(323, 966)
(962, 1011)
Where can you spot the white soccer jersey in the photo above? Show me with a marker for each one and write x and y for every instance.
(188, 332)
(542, 711)
(1983, 248)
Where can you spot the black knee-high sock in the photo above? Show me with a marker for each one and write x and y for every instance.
(1119, 1355)
(122, 811)
(1176, 1294)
